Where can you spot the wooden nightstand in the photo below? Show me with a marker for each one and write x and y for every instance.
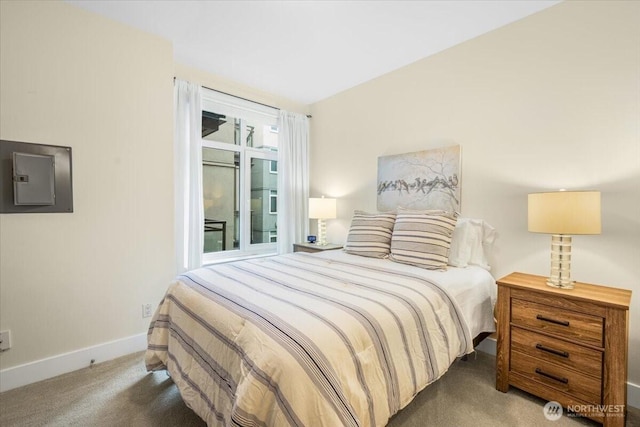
(568, 346)
(312, 247)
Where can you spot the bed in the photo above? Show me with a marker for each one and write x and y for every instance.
(322, 339)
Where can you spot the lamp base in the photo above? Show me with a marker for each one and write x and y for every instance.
(322, 233)
(560, 262)
(567, 285)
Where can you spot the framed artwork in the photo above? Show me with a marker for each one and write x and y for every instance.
(427, 179)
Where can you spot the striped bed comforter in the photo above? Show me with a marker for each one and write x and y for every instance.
(305, 341)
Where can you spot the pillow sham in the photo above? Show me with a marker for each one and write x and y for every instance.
(423, 238)
(471, 243)
(370, 234)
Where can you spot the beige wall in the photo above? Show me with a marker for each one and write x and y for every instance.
(549, 102)
(68, 77)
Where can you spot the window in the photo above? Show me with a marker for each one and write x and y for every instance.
(273, 201)
(239, 174)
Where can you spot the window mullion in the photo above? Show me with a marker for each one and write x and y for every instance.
(245, 193)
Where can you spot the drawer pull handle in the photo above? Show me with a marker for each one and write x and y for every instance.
(553, 377)
(552, 351)
(557, 322)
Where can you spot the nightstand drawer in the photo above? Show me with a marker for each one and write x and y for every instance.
(562, 353)
(564, 323)
(571, 382)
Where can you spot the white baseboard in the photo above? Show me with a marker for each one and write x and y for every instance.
(488, 345)
(633, 395)
(50, 367)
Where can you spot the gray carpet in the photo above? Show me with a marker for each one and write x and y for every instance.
(122, 393)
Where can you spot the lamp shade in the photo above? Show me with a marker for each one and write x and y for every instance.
(321, 208)
(564, 212)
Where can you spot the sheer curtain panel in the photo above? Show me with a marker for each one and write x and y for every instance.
(189, 211)
(293, 180)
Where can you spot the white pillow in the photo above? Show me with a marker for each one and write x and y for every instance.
(471, 242)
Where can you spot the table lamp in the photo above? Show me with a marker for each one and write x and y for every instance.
(321, 209)
(562, 214)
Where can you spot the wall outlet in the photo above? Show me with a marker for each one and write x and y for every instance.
(147, 310)
(5, 340)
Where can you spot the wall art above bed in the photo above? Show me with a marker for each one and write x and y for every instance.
(427, 179)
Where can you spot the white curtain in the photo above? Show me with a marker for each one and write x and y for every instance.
(293, 180)
(189, 211)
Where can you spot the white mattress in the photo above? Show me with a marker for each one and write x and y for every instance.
(473, 288)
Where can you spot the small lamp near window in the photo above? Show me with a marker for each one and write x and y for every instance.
(321, 209)
(562, 214)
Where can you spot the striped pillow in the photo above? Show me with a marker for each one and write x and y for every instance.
(370, 234)
(423, 238)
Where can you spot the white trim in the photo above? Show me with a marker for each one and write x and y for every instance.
(50, 367)
(633, 395)
(488, 345)
(230, 105)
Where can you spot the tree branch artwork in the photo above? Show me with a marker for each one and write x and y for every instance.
(427, 179)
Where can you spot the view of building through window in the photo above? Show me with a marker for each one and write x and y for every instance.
(239, 162)
(221, 196)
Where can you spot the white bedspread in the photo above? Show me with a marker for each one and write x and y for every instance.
(473, 287)
(302, 339)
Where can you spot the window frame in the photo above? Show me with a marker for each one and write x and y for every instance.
(220, 103)
(273, 194)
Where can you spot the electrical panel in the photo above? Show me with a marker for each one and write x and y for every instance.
(36, 178)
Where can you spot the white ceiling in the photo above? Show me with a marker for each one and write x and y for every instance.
(309, 50)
